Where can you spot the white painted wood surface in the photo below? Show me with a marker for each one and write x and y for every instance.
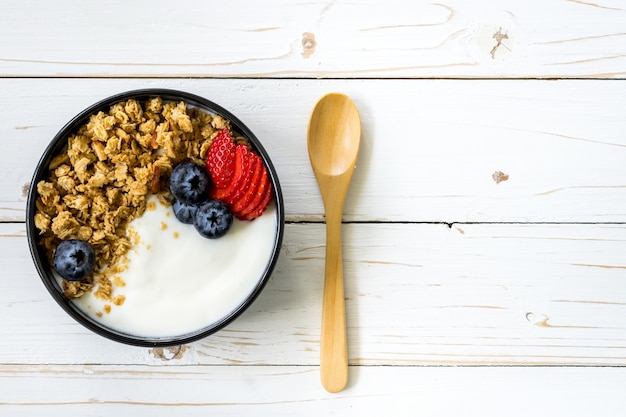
(467, 291)
(288, 391)
(281, 38)
(416, 294)
(429, 148)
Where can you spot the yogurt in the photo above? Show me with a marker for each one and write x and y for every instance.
(177, 281)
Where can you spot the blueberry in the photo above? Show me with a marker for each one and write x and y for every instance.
(213, 219)
(74, 259)
(189, 182)
(184, 212)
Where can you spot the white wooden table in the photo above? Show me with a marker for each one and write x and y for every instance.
(484, 234)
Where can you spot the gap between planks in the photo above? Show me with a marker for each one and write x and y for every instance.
(602, 77)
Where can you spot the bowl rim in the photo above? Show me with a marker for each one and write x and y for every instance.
(59, 141)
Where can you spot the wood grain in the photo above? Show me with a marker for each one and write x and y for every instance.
(286, 391)
(416, 294)
(431, 159)
(484, 268)
(315, 39)
(333, 140)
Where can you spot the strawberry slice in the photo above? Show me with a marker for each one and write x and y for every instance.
(258, 210)
(220, 163)
(233, 191)
(251, 186)
(257, 198)
(242, 174)
(219, 193)
(240, 179)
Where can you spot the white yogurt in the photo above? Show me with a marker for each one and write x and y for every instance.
(178, 282)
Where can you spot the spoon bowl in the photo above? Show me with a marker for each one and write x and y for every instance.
(333, 142)
(334, 125)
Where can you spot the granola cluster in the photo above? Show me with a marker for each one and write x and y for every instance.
(100, 183)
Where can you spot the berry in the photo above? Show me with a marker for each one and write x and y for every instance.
(184, 212)
(259, 196)
(189, 182)
(241, 174)
(235, 189)
(251, 186)
(213, 219)
(260, 208)
(220, 163)
(240, 178)
(74, 259)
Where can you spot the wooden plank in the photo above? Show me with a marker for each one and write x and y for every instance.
(286, 391)
(430, 159)
(314, 39)
(416, 294)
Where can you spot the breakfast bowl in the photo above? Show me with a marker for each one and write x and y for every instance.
(155, 217)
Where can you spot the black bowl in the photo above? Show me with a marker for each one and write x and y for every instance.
(59, 142)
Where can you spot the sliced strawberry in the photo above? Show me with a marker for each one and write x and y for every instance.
(220, 163)
(259, 193)
(243, 163)
(258, 210)
(219, 193)
(251, 184)
(234, 190)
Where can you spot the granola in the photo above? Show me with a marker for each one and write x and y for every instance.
(100, 182)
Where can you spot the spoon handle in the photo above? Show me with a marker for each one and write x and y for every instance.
(333, 349)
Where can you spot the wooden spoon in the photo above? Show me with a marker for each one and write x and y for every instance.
(333, 140)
